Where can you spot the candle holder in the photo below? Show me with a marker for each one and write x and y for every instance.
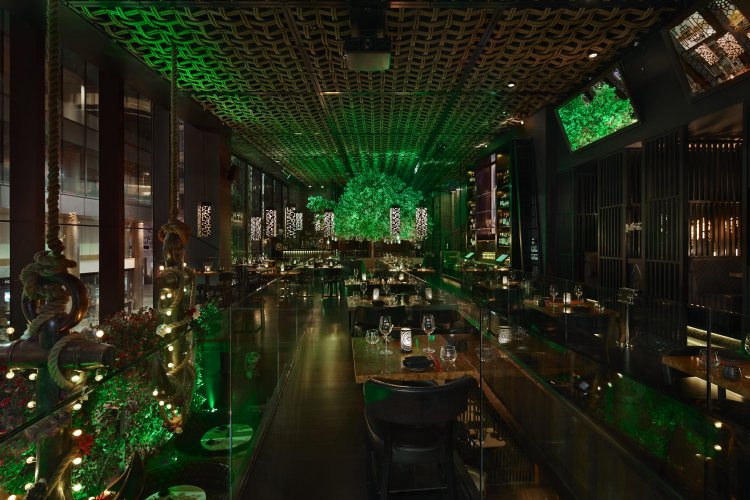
(406, 340)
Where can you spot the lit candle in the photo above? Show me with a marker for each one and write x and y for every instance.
(566, 298)
(375, 293)
(364, 276)
(405, 340)
(428, 293)
(401, 276)
(505, 280)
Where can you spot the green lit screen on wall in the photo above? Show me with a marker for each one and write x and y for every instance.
(600, 110)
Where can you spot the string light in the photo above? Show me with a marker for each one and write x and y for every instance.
(28, 486)
(156, 392)
(30, 460)
(162, 297)
(77, 487)
(161, 268)
(170, 348)
(169, 313)
(77, 406)
(77, 433)
(32, 376)
(12, 497)
(169, 295)
(100, 333)
(10, 374)
(169, 407)
(161, 403)
(10, 330)
(77, 461)
(170, 365)
(31, 404)
(98, 377)
(75, 379)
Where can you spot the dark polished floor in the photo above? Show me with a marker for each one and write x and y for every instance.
(314, 447)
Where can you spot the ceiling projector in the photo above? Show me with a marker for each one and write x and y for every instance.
(368, 54)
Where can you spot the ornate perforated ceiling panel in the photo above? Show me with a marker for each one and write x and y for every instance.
(275, 73)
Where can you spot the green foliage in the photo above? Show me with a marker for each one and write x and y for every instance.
(319, 204)
(606, 113)
(363, 211)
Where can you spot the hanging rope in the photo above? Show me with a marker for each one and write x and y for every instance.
(173, 136)
(36, 286)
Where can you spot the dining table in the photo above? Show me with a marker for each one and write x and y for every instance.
(369, 363)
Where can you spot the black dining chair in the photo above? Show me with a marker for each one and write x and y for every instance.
(413, 425)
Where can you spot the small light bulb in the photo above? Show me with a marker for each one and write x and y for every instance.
(161, 403)
(100, 333)
(717, 447)
(28, 486)
(10, 330)
(12, 497)
(30, 460)
(169, 313)
(162, 297)
(168, 330)
(156, 392)
(75, 379)
(77, 461)
(718, 425)
(77, 406)
(184, 264)
(169, 407)
(593, 55)
(161, 268)
(32, 376)
(10, 374)
(98, 377)
(31, 404)
(169, 295)
(170, 348)
(77, 432)
(170, 365)
(77, 487)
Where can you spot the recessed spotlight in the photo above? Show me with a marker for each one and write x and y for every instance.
(593, 55)
(511, 85)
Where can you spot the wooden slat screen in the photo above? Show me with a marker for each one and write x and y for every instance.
(611, 224)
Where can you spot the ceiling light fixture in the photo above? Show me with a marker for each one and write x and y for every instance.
(367, 49)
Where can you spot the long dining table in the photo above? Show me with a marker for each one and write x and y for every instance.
(369, 363)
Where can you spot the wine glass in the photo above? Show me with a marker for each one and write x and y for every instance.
(385, 327)
(553, 293)
(428, 326)
(372, 337)
(450, 354)
(578, 290)
(363, 287)
(386, 288)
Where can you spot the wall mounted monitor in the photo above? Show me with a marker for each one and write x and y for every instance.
(600, 110)
(712, 43)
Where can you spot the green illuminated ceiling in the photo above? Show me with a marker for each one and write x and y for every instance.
(276, 75)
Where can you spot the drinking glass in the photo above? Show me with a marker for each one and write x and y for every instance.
(363, 287)
(372, 337)
(428, 326)
(450, 354)
(386, 288)
(578, 290)
(385, 327)
(553, 292)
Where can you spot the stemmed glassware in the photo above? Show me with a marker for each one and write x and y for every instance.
(363, 287)
(578, 290)
(428, 326)
(385, 327)
(553, 293)
(386, 288)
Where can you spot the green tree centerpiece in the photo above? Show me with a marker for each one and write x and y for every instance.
(363, 210)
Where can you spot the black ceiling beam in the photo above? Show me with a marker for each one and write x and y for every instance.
(431, 145)
(406, 4)
(341, 149)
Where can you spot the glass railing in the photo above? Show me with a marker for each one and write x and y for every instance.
(619, 393)
(179, 415)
